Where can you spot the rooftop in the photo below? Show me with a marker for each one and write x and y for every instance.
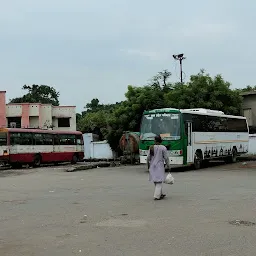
(248, 93)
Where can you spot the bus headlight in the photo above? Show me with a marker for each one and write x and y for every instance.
(175, 153)
(143, 152)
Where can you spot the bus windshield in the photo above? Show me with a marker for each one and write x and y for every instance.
(165, 124)
(3, 138)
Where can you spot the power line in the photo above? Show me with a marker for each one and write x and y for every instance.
(180, 58)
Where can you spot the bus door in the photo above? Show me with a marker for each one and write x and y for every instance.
(190, 158)
(56, 148)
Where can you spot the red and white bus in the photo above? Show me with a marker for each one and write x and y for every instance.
(35, 146)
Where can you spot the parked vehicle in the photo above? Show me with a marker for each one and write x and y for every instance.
(36, 146)
(129, 144)
(194, 136)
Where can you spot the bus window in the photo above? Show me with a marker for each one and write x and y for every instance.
(26, 138)
(237, 125)
(79, 140)
(15, 138)
(56, 139)
(48, 139)
(67, 139)
(63, 139)
(39, 139)
(3, 138)
(71, 139)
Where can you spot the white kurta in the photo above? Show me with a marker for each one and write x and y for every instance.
(156, 163)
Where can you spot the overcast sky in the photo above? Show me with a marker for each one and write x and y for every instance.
(95, 48)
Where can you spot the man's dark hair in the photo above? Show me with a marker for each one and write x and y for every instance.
(158, 139)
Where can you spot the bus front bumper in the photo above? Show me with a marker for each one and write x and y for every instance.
(174, 160)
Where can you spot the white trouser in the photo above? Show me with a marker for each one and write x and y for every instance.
(158, 190)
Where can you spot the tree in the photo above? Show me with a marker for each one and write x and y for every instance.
(161, 77)
(248, 88)
(203, 91)
(38, 94)
(93, 105)
(95, 122)
(127, 116)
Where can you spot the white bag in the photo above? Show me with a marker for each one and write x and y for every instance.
(169, 179)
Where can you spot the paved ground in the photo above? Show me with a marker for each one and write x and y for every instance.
(43, 212)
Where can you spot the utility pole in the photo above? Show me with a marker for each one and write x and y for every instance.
(180, 58)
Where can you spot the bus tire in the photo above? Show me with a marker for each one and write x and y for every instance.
(198, 160)
(37, 161)
(16, 165)
(206, 163)
(234, 155)
(74, 159)
(233, 158)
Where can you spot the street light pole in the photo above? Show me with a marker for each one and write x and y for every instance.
(180, 58)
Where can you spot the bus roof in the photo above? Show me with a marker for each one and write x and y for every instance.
(209, 112)
(199, 111)
(162, 110)
(38, 131)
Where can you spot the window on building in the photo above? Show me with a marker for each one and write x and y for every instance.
(14, 122)
(63, 122)
(33, 121)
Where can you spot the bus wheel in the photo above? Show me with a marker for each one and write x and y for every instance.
(74, 159)
(234, 155)
(232, 159)
(198, 160)
(37, 161)
(206, 163)
(16, 165)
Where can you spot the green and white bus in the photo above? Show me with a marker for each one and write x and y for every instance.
(194, 136)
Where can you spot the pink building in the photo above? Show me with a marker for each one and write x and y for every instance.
(36, 115)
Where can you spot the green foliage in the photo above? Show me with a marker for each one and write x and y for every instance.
(38, 94)
(202, 91)
(248, 88)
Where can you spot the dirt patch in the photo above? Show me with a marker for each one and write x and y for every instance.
(242, 223)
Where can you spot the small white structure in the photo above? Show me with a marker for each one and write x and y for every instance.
(252, 144)
(96, 149)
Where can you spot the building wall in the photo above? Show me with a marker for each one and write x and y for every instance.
(64, 112)
(34, 109)
(36, 115)
(13, 110)
(2, 109)
(252, 144)
(46, 116)
(249, 109)
(25, 115)
(96, 149)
